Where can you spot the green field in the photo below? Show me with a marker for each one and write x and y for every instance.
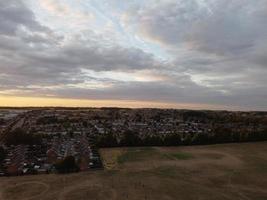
(215, 172)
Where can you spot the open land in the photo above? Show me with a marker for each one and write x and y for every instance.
(225, 171)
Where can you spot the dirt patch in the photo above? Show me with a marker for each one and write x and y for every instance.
(26, 190)
(88, 191)
(214, 156)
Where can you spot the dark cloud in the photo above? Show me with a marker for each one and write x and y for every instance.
(14, 14)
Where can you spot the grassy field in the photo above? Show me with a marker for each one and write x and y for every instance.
(215, 172)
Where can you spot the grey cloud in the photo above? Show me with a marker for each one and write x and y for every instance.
(24, 64)
(225, 50)
(32, 54)
(168, 23)
(228, 30)
(233, 30)
(170, 93)
(13, 14)
(223, 27)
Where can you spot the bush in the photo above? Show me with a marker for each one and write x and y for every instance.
(19, 136)
(67, 165)
(2, 154)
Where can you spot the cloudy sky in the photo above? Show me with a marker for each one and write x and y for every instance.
(209, 54)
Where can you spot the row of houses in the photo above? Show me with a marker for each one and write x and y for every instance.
(25, 159)
(39, 159)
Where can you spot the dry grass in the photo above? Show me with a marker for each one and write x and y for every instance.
(110, 158)
(229, 171)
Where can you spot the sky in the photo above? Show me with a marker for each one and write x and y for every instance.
(195, 54)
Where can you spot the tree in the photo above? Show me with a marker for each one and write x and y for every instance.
(202, 138)
(153, 141)
(131, 138)
(107, 140)
(172, 140)
(67, 165)
(19, 136)
(2, 154)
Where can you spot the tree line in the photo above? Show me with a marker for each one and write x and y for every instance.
(220, 135)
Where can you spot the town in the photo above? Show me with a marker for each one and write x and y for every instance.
(62, 140)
